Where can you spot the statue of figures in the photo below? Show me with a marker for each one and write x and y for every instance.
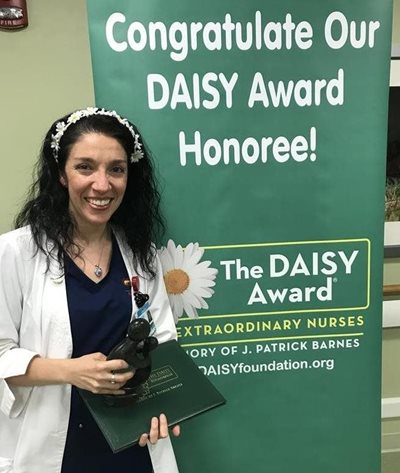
(135, 350)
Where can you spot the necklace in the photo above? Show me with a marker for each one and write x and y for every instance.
(98, 270)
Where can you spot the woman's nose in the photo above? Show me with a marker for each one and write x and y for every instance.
(101, 182)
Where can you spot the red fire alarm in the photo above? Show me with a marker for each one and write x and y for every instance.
(13, 14)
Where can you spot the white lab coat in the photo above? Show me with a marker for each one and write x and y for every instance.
(34, 320)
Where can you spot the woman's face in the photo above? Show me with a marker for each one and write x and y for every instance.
(96, 173)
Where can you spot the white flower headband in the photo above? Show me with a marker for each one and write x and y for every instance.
(61, 127)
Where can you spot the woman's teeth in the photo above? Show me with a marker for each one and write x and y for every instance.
(99, 202)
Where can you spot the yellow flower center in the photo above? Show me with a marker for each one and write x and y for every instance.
(176, 281)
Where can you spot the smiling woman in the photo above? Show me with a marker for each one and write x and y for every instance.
(89, 157)
(95, 176)
(87, 226)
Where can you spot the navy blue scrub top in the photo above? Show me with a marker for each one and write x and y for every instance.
(99, 315)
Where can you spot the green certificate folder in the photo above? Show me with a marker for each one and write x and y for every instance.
(176, 387)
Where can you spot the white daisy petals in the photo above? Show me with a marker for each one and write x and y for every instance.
(188, 281)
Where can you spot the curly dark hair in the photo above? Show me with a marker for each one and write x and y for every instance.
(46, 208)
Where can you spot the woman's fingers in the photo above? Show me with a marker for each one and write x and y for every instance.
(154, 432)
(119, 378)
(163, 426)
(143, 440)
(110, 383)
(94, 373)
(176, 430)
(114, 383)
(111, 392)
(158, 430)
(115, 365)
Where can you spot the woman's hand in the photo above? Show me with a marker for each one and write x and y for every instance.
(95, 374)
(158, 430)
(91, 372)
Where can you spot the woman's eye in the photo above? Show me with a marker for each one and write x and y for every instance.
(82, 167)
(118, 170)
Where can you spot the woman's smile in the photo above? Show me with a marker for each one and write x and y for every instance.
(98, 203)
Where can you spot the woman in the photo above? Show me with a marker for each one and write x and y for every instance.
(87, 226)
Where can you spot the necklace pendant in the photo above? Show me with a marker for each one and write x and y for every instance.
(98, 271)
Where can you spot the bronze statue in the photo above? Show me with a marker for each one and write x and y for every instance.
(135, 349)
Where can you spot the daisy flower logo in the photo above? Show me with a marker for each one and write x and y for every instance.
(188, 281)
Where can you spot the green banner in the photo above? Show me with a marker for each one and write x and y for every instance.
(267, 121)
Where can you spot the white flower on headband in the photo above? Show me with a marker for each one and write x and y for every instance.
(74, 117)
(61, 127)
(136, 156)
